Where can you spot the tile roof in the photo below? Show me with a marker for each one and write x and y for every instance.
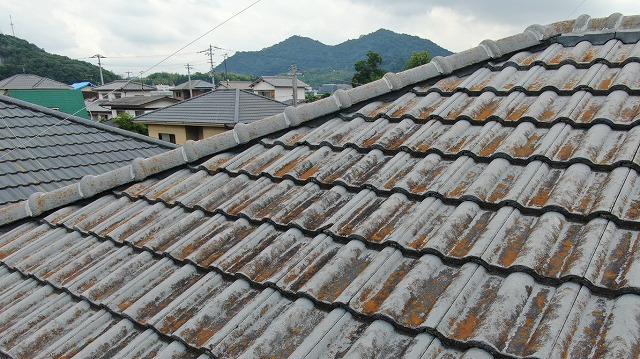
(221, 106)
(42, 150)
(195, 84)
(124, 85)
(138, 100)
(31, 82)
(483, 205)
(279, 81)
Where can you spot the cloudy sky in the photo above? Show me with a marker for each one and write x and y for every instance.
(135, 35)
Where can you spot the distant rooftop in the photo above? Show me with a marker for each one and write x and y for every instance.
(31, 82)
(279, 81)
(125, 85)
(195, 85)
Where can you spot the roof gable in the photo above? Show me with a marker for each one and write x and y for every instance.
(221, 106)
(481, 205)
(31, 82)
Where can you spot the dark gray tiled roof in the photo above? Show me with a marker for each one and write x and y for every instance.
(42, 150)
(124, 85)
(31, 82)
(137, 100)
(221, 106)
(280, 81)
(195, 84)
(473, 207)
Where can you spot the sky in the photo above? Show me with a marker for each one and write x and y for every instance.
(137, 36)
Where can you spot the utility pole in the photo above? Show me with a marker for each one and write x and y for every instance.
(11, 22)
(189, 67)
(209, 52)
(100, 66)
(129, 74)
(294, 81)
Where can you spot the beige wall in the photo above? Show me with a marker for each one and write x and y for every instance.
(180, 132)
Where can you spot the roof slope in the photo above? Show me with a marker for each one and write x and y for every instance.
(485, 204)
(31, 82)
(138, 100)
(41, 150)
(221, 106)
(124, 85)
(279, 81)
(195, 84)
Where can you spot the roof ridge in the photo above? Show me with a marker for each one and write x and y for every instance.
(140, 169)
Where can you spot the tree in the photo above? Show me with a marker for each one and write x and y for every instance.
(368, 70)
(125, 122)
(418, 58)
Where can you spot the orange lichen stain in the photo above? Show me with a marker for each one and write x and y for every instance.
(310, 172)
(511, 250)
(633, 212)
(458, 146)
(419, 242)
(381, 234)
(557, 58)
(606, 83)
(566, 151)
(287, 169)
(371, 140)
(588, 56)
(548, 114)
(372, 303)
(529, 60)
(557, 259)
(490, 148)
(527, 149)
(466, 327)
(515, 113)
(501, 189)
(541, 198)
(588, 114)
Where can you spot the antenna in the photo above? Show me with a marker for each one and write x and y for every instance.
(11, 22)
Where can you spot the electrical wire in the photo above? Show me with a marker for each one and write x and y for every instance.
(141, 73)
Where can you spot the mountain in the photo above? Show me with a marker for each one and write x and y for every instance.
(19, 56)
(322, 63)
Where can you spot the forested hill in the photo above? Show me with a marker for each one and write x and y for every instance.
(324, 63)
(18, 56)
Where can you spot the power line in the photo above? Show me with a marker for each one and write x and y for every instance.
(141, 73)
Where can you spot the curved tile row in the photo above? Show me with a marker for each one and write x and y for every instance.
(38, 321)
(68, 151)
(575, 190)
(617, 108)
(229, 318)
(613, 52)
(376, 284)
(506, 239)
(567, 78)
(598, 146)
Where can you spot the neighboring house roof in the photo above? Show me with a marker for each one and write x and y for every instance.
(67, 101)
(96, 106)
(279, 81)
(221, 106)
(485, 204)
(243, 85)
(195, 85)
(81, 85)
(137, 101)
(124, 85)
(31, 82)
(42, 150)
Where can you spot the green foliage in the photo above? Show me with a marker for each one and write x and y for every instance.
(311, 97)
(330, 64)
(125, 122)
(418, 58)
(166, 78)
(18, 56)
(368, 70)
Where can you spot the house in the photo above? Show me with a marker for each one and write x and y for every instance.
(43, 150)
(45, 92)
(87, 90)
(123, 88)
(195, 87)
(242, 85)
(279, 88)
(138, 105)
(97, 111)
(209, 114)
(482, 205)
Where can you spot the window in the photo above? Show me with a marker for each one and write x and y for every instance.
(139, 112)
(168, 137)
(268, 94)
(117, 95)
(105, 96)
(194, 133)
